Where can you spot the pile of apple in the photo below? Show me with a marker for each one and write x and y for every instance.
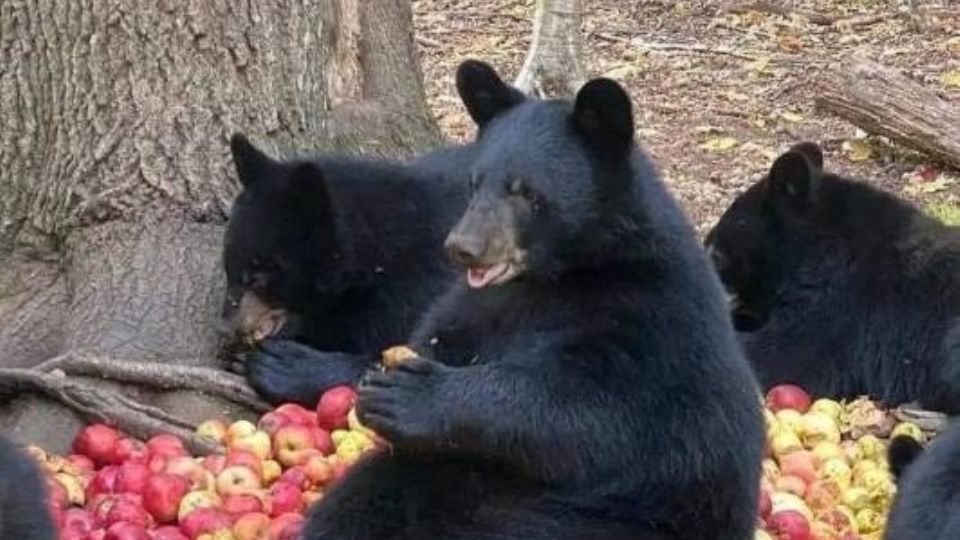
(114, 487)
(825, 475)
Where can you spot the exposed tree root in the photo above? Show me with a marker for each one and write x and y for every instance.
(164, 376)
(107, 406)
(53, 379)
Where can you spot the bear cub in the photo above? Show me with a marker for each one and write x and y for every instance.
(842, 288)
(329, 261)
(582, 378)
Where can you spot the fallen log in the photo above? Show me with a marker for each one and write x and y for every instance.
(883, 102)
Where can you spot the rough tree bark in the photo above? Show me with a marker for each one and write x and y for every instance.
(115, 177)
(884, 102)
(554, 66)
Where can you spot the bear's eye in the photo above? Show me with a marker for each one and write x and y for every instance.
(518, 188)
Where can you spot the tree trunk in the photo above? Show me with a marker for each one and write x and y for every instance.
(884, 102)
(553, 66)
(115, 177)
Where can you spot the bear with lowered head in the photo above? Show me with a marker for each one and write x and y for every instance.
(842, 288)
(331, 260)
(582, 379)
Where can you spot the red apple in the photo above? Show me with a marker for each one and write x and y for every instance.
(188, 468)
(296, 477)
(289, 442)
(57, 496)
(247, 459)
(131, 477)
(130, 512)
(78, 521)
(103, 482)
(323, 441)
(97, 534)
(286, 527)
(126, 531)
(298, 414)
(162, 495)
(789, 525)
(765, 505)
(98, 442)
(215, 463)
(157, 464)
(81, 462)
(252, 526)
(203, 520)
(272, 421)
(334, 406)
(166, 445)
(799, 463)
(128, 449)
(236, 480)
(318, 470)
(168, 532)
(788, 396)
(284, 497)
(245, 503)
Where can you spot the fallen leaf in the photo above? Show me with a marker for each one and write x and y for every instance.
(858, 150)
(791, 117)
(623, 72)
(719, 144)
(950, 79)
(953, 45)
(789, 43)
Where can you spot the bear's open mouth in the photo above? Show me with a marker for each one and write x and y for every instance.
(480, 277)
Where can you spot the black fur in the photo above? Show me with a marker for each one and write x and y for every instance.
(928, 493)
(349, 248)
(842, 288)
(23, 497)
(600, 393)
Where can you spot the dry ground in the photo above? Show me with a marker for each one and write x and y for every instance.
(738, 89)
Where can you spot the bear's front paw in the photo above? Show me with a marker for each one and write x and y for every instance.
(282, 371)
(401, 403)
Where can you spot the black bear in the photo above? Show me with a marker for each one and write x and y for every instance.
(342, 255)
(583, 379)
(23, 503)
(842, 288)
(927, 505)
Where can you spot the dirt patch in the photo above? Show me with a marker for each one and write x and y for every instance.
(720, 90)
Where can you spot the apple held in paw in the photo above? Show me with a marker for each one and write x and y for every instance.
(334, 406)
(395, 356)
(788, 396)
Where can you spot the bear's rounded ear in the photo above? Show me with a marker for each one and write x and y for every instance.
(794, 181)
(811, 151)
(307, 184)
(251, 163)
(483, 92)
(603, 116)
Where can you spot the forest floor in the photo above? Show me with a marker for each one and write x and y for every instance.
(720, 91)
